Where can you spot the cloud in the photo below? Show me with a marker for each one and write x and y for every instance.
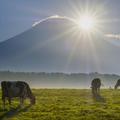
(114, 36)
(54, 16)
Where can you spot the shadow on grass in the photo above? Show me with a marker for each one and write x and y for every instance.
(99, 98)
(14, 111)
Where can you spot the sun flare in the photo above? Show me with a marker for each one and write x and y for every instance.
(86, 22)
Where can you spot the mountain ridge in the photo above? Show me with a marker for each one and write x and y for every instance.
(57, 46)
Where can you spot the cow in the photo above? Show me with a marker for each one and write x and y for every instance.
(117, 84)
(95, 85)
(20, 89)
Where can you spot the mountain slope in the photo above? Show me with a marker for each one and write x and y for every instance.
(55, 45)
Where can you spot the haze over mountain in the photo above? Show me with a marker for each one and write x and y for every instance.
(56, 45)
(59, 80)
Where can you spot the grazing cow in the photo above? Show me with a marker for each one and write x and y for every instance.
(95, 85)
(117, 84)
(11, 89)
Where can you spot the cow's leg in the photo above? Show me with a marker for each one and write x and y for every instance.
(3, 99)
(93, 92)
(98, 90)
(9, 100)
(96, 93)
(21, 101)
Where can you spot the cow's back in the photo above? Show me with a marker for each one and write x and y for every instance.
(15, 89)
(96, 82)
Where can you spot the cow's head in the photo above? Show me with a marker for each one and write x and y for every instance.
(32, 100)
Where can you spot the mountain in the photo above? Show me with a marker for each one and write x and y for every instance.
(56, 44)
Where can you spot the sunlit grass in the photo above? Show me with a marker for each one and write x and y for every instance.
(67, 104)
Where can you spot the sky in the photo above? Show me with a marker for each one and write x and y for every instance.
(16, 16)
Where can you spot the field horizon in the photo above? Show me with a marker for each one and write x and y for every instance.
(60, 80)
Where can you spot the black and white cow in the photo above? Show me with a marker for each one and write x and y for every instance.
(95, 85)
(11, 89)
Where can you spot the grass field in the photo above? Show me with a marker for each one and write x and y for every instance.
(66, 104)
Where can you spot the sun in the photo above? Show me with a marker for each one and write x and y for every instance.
(86, 22)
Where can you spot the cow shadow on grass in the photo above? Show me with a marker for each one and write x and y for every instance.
(14, 111)
(99, 98)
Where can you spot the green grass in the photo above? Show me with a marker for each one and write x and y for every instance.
(66, 104)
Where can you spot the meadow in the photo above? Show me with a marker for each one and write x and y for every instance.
(66, 104)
